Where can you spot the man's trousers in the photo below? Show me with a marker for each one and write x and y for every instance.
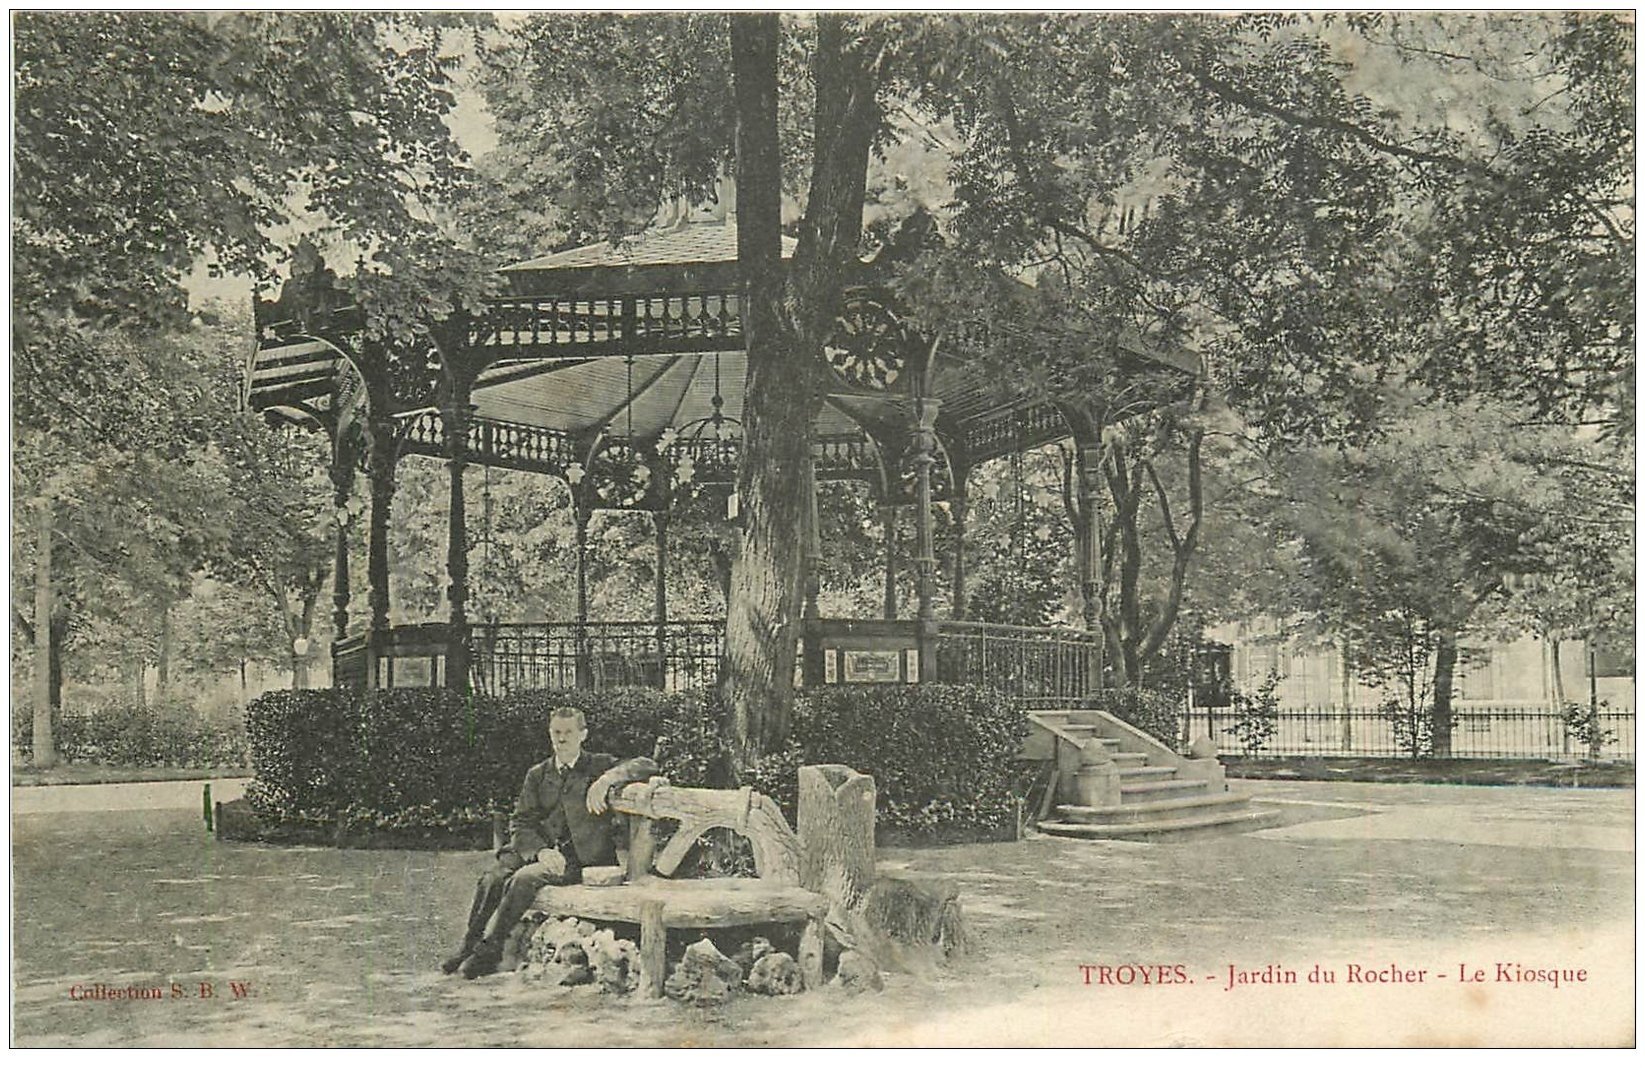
(503, 895)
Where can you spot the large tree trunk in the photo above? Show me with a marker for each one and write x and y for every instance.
(1182, 546)
(59, 637)
(1557, 670)
(764, 605)
(162, 672)
(1445, 662)
(1347, 682)
(45, 745)
(1124, 488)
(783, 341)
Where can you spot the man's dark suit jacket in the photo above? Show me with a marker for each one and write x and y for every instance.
(553, 809)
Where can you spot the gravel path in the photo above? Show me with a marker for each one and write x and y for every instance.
(337, 947)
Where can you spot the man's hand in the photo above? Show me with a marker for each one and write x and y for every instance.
(598, 791)
(552, 859)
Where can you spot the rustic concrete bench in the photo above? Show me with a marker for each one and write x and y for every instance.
(648, 897)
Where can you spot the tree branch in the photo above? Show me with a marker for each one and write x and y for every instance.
(1234, 94)
(1164, 507)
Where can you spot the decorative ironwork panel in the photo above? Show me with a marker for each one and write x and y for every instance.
(1014, 430)
(677, 655)
(868, 349)
(568, 326)
(492, 442)
(842, 458)
(414, 376)
(1035, 666)
(623, 474)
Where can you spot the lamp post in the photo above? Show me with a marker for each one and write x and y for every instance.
(299, 665)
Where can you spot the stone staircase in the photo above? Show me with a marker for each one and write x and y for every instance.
(1115, 781)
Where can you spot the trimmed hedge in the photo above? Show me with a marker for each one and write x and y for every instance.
(1150, 711)
(432, 758)
(942, 756)
(170, 735)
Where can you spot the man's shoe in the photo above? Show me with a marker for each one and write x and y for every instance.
(483, 961)
(455, 961)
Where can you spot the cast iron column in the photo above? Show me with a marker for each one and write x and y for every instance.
(813, 544)
(380, 470)
(342, 481)
(659, 609)
(585, 675)
(888, 514)
(957, 502)
(925, 558)
(456, 418)
(1089, 548)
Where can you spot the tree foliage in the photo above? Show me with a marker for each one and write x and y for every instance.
(1398, 248)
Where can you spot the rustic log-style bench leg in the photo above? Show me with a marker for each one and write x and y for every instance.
(653, 949)
(811, 953)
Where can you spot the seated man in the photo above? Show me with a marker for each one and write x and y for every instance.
(560, 826)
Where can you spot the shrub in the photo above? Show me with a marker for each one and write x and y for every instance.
(1582, 724)
(940, 755)
(1412, 724)
(303, 752)
(408, 758)
(680, 730)
(1256, 716)
(1150, 711)
(168, 734)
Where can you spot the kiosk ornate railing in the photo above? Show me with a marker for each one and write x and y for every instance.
(1037, 667)
(676, 655)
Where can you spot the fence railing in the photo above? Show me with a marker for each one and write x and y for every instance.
(1034, 666)
(676, 655)
(1485, 731)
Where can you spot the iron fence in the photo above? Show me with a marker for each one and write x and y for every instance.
(1481, 731)
(1038, 667)
(676, 655)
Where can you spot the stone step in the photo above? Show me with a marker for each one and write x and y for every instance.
(1145, 811)
(1073, 716)
(1146, 773)
(1129, 760)
(1237, 819)
(1163, 789)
